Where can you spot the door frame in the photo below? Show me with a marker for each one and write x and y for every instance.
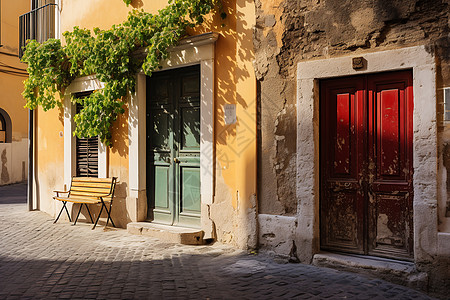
(425, 162)
(190, 51)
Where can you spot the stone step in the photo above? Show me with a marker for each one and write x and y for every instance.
(165, 233)
(399, 272)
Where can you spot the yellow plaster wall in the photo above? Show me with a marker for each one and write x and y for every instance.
(13, 156)
(49, 157)
(234, 208)
(118, 167)
(11, 86)
(101, 13)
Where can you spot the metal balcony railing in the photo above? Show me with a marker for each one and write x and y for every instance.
(40, 24)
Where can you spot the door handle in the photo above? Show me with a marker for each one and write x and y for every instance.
(176, 160)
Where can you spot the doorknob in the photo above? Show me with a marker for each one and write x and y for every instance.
(176, 160)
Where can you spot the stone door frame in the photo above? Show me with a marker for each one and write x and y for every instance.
(425, 162)
(196, 50)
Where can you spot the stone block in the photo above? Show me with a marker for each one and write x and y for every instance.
(165, 233)
(277, 233)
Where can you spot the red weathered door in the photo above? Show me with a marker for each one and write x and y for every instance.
(366, 164)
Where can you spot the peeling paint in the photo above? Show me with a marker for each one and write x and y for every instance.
(384, 234)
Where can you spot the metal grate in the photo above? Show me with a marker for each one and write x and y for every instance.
(39, 24)
(86, 151)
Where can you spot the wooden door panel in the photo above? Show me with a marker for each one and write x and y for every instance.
(160, 129)
(161, 187)
(341, 226)
(342, 150)
(190, 192)
(390, 231)
(389, 225)
(190, 131)
(163, 204)
(189, 209)
(344, 128)
(160, 111)
(388, 134)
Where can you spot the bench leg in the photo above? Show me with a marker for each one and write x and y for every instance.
(81, 206)
(109, 215)
(79, 211)
(99, 214)
(62, 208)
(90, 216)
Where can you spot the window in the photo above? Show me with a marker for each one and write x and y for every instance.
(86, 151)
(2, 129)
(447, 104)
(5, 127)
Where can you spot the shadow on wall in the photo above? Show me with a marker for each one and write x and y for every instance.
(4, 177)
(119, 133)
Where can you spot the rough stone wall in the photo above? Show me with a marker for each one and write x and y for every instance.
(288, 32)
(277, 117)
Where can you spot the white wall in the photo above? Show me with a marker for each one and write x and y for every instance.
(13, 162)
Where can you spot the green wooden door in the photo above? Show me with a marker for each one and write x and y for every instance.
(173, 147)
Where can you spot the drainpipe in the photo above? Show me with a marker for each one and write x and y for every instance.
(30, 159)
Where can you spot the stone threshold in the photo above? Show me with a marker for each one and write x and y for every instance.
(166, 233)
(395, 271)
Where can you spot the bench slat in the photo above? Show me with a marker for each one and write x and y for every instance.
(88, 195)
(92, 179)
(81, 197)
(92, 190)
(78, 200)
(92, 184)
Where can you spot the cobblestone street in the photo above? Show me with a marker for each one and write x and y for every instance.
(42, 260)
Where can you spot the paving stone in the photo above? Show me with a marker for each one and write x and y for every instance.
(42, 260)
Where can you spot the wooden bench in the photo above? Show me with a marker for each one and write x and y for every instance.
(88, 190)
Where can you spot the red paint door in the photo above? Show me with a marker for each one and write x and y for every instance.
(366, 164)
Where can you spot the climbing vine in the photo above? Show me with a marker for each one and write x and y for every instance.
(110, 54)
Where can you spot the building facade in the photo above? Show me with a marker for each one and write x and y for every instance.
(191, 164)
(13, 115)
(353, 140)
